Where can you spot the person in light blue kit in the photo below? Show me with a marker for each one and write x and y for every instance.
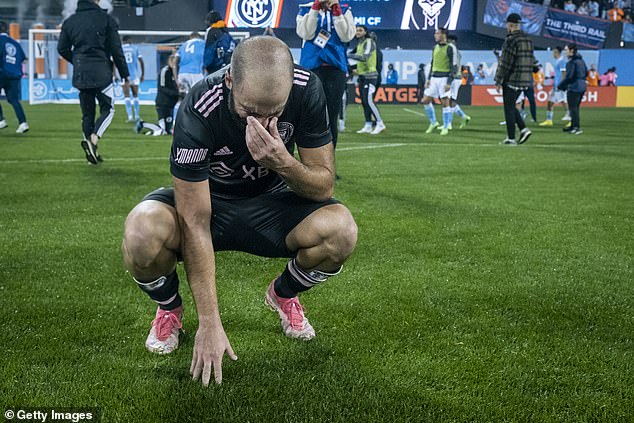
(556, 95)
(189, 62)
(325, 26)
(11, 58)
(136, 67)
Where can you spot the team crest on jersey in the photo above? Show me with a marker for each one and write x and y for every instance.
(254, 13)
(286, 130)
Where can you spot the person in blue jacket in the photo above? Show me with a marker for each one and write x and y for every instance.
(392, 75)
(11, 58)
(326, 26)
(574, 83)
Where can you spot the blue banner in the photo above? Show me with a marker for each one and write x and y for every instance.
(628, 32)
(582, 30)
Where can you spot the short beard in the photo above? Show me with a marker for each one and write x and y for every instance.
(240, 122)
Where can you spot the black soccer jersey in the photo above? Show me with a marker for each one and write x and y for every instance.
(209, 142)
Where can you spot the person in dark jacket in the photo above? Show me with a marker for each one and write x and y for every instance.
(574, 83)
(219, 44)
(167, 96)
(514, 75)
(88, 40)
(11, 58)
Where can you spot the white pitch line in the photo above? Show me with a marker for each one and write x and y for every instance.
(415, 112)
(340, 149)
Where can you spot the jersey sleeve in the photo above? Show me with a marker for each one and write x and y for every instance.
(192, 143)
(314, 130)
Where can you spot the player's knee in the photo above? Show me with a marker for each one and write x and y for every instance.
(144, 239)
(343, 234)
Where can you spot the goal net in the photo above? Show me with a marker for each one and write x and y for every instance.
(50, 76)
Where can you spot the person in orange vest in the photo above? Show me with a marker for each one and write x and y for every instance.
(593, 77)
(538, 77)
(616, 14)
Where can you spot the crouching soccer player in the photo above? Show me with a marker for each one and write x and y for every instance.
(238, 186)
(166, 98)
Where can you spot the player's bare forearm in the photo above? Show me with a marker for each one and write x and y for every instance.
(312, 177)
(194, 214)
(313, 180)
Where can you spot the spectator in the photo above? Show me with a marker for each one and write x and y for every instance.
(88, 40)
(616, 14)
(480, 77)
(219, 44)
(392, 75)
(574, 83)
(569, 6)
(420, 84)
(583, 9)
(593, 8)
(11, 58)
(325, 26)
(593, 77)
(467, 76)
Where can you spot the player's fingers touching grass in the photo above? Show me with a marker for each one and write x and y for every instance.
(210, 345)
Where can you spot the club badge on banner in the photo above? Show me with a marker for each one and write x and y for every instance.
(253, 13)
(431, 14)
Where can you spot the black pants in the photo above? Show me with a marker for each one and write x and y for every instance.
(574, 103)
(87, 99)
(334, 83)
(367, 88)
(511, 114)
(165, 114)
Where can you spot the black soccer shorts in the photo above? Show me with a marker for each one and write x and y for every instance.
(257, 225)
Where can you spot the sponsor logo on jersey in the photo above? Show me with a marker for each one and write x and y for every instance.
(224, 151)
(286, 130)
(190, 155)
(221, 170)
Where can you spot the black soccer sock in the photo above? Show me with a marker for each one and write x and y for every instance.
(164, 291)
(294, 279)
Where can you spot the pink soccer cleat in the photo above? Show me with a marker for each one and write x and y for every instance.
(163, 337)
(294, 323)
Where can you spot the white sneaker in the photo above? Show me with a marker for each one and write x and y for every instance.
(508, 141)
(365, 130)
(380, 127)
(163, 337)
(3, 124)
(566, 117)
(22, 128)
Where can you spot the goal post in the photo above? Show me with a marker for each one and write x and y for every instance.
(50, 76)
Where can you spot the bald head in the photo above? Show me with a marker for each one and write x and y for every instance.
(262, 70)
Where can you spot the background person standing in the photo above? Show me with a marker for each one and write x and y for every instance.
(325, 26)
(575, 86)
(514, 75)
(11, 58)
(88, 40)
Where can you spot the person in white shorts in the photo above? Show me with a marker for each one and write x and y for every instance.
(438, 85)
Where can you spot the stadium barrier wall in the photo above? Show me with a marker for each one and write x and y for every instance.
(488, 95)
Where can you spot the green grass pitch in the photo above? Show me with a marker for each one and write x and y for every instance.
(489, 283)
